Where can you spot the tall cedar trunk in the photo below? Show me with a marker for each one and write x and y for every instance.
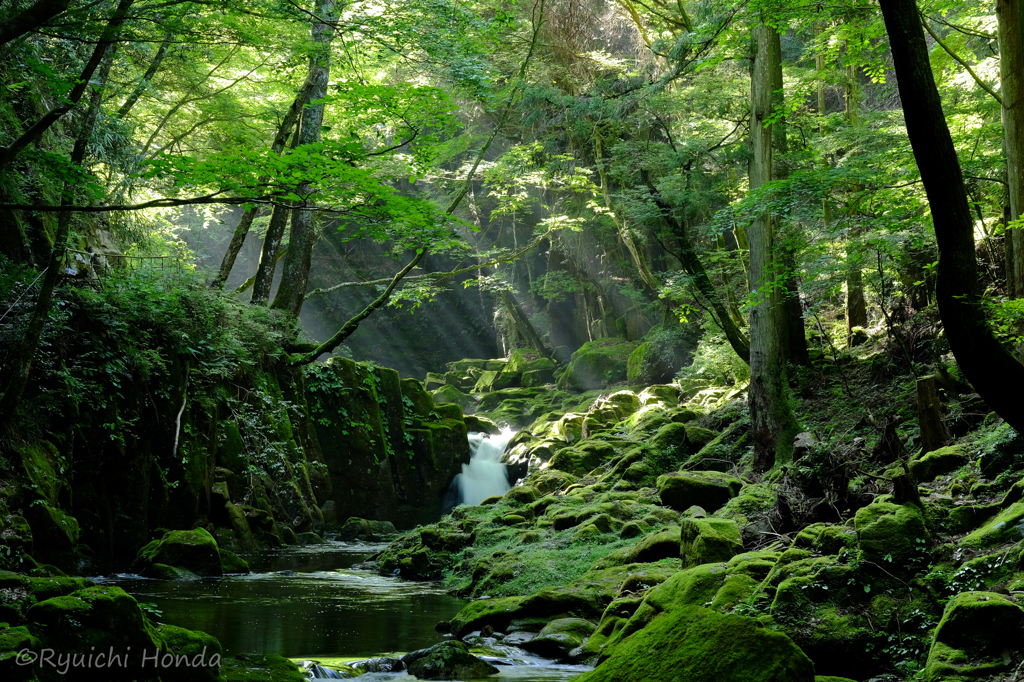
(245, 222)
(1011, 71)
(772, 422)
(295, 271)
(856, 306)
(21, 366)
(794, 338)
(990, 368)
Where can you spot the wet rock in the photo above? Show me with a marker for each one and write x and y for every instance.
(356, 527)
(708, 489)
(518, 638)
(194, 550)
(447, 661)
(698, 645)
(559, 637)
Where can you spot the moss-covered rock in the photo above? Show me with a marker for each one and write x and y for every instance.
(699, 438)
(665, 394)
(559, 637)
(451, 394)
(260, 668)
(232, 563)
(197, 655)
(698, 645)
(195, 550)
(938, 462)
(583, 458)
(707, 489)
(523, 360)
(971, 639)
(449, 661)
(366, 529)
(54, 535)
(1003, 527)
(891, 530)
(704, 541)
(597, 364)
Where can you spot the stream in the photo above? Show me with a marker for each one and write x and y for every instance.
(310, 603)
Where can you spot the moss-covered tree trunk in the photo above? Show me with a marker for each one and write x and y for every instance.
(295, 270)
(772, 421)
(994, 373)
(1011, 71)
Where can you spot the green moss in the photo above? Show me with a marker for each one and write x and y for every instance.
(196, 647)
(1003, 527)
(43, 468)
(938, 462)
(699, 645)
(452, 395)
(195, 550)
(970, 640)
(703, 541)
(709, 490)
(260, 668)
(889, 530)
(597, 364)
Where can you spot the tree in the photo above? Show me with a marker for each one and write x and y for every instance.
(773, 424)
(1010, 15)
(990, 368)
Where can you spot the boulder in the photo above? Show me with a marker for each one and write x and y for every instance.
(559, 637)
(597, 364)
(198, 654)
(938, 462)
(696, 644)
(583, 458)
(970, 641)
(537, 377)
(261, 668)
(356, 527)
(891, 530)
(1006, 526)
(707, 489)
(451, 394)
(195, 550)
(448, 661)
(525, 360)
(705, 541)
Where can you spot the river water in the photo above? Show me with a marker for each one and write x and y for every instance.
(309, 602)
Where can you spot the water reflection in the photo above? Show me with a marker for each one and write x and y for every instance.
(303, 602)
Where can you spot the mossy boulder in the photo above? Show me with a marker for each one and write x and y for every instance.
(523, 360)
(666, 394)
(699, 438)
(477, 424)
(971, 639)
(261, 668)
(938, 462)
(1003, 527)
(891, 530)
(195, 550)
(597, 364)
(698, 645)
(671, 437)
(451, 394)
(705, 541)
(54, 535)
(707, 489)
(232, 563)
(12, 641)
(449, 661)
(559, 637)
(475, 615)
(583, 458)
(197, 654)
(365, 529)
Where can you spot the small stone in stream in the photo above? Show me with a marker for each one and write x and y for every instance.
(382, 664)
(517, 638)
(448, 661)
(487, 631)
(443, 626)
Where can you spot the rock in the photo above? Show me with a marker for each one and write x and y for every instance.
(1007, 525)
(433, 381)
(661, 545)
(165, 572)
(475, 424)
(705, 541)
(523, 360)
(195, 550)
(451, 394)
(378, 664)
(518, 638)
(202, 654)
(582, 459)
(672, 437)
(310, 538)
(559, 637)
(802, 444)
(329, 511)
(659, 393)
(54, 535)
(537, 377)
(597, 364)
(356, 527)
(707, 489)
(261, 668)
(887, 529)
(699, 437)
(521, 494)
(232, 563)
(938, 462)
(696, 644)
(971, 639)
(449, 661)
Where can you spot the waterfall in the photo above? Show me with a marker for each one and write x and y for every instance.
(485, 475)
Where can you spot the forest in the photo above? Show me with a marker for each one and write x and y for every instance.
(653, 340)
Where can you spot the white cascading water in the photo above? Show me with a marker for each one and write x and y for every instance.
(484, 476)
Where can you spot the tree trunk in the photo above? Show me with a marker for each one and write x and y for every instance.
(146, 77)
(295, 270)
(1011, 71)
(772, 422)
(31, 18)
(7, 154)
(990, 368)
(22, 363)
(929, 416)
(268, 258)
(819, 64)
